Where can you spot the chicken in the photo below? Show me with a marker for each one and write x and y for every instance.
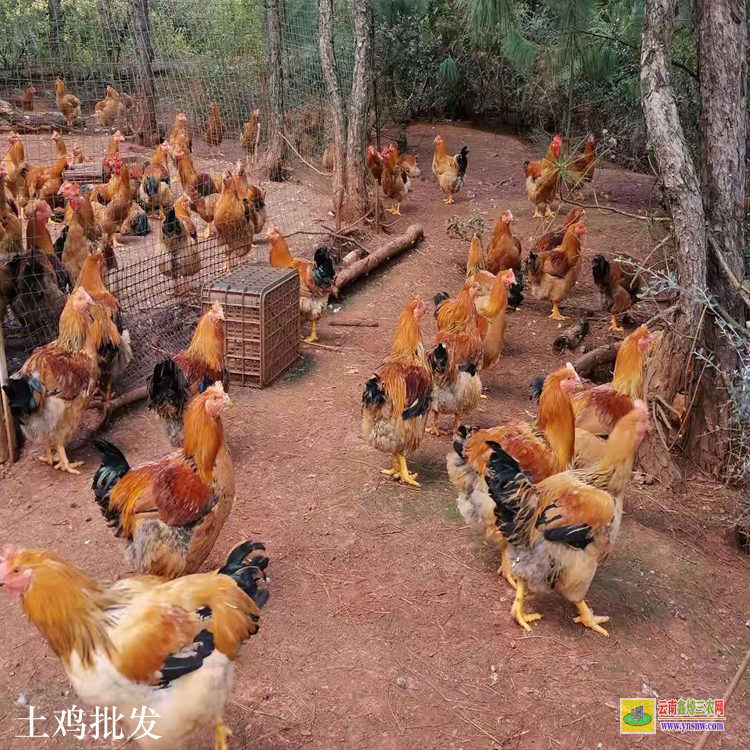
(251, 135)
(455, 367)
(117, 211)
(315, 279)
(69, 105)
(113, 149)
(328, 160)
(558, 530)
(542, 179)
(374, 162)
(204, 182)
(449, 170)
(410, 164)
(48, 395)
(24, 101)
(135, 223)
(180, 138)
(618, 286)
(204, 207)
(254, 198)
(214, 130)
(504, 249)
(111, 340)
(37, 234)
(395, 180)
(170, 511)
(581, 169)
(233, 221)
(155, 187)
(553, 239)
(78, 156)
(76, 247)
(598, 409)
(110, 110)
(492, 308)
(15, 165)
(175, 380)
(179, 255)
(45, 184)
(397, 398)
(86, 213)
(552, 273)
(11, 233)
(143, 641)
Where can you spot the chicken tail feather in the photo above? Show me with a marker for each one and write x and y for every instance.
(21, 397)
(168, 390)
(114, 467)
(248, 574)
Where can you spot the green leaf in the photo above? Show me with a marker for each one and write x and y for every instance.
(448, 70)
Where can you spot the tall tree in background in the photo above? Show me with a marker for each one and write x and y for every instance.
(707, 216)
(55, 13)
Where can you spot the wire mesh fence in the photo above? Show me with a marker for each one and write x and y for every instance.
(132, 67)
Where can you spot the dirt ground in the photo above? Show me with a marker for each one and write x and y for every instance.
(387, 627)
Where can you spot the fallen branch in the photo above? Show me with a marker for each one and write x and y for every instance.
(321, 346)
(602, 355)
(571, 336)
(32, 122)
(377, 257)
(354, 323)
(137, 394)
(353, 257)
(302, 159)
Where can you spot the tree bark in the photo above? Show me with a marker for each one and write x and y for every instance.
(146, 85)
(335, 102)
(270, 163)
(358, 106)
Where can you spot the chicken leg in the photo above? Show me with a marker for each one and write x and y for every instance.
(404, 475)
(393, 471)
(555, 314)
(589, 619)
(395, 210)
(614, 327)
(549, 212)
(517, 609)
(47, 458)
(207, 233)
(62, 461)
(313, 333)
(449, 200)
(504, 569)
(537, 215)
(435, 429)
(221, 734)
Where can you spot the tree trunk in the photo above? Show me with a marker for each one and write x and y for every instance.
(269, 165)
(146, 85)
(336, 104)
(358, 105)
(55, 17)
(669, 363)
(721, 33)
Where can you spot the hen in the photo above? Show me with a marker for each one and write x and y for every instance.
(113, 150)
(117, 211)
(179, 255)
(180, 138)
(552, 273)
(618, 287)
(76, 246)
(253, 197)
(581, 169)
(49, 394)
(504, 249)
(11, 233)
(558, 530)
(449, 170)
(251, 134)
(170, 511)
(143, 641)
(397, 398)
(543, 177)
(78, 156)
(204, 207)
(410, 164)
(214, 129)
(175, 380)
(542, 448)
(110, 110)
(15, 165)
(315, 279)
(233, 221)
(395, 180)
(69, 105)
(553, 239)
(204, 182)
(155, 188)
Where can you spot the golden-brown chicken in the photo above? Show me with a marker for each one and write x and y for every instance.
(328, 160)
(598, 409)
(397, 398)
(315, 279)
(204, 182)
(541, 165)
(171, 510)
(543, 178)
(204, 207)
(581, 169)
(69, 105)
(145, 642)
(180, 137)
(552, 273)
(24, 101)
(78, 156)
(86, 214)
(113, 150)
(179, 255)
(492, 309)
(117, 210)
(553, 239)
(410, 164)
(11, 237)
(45, 184)
(110, 110)
(49, 394)
(15, 165)
(253, 197)
(214, 130)
(233, 221)
(618, 286)
(395, 180)
(37, 234)
(179, 378)
(155, 187)
(558, 530)
(76, 247)
(251, 135)
(449, 170)
(542, 448)
(374, 162)
(455, 366)
(61, 148)
(504, 249)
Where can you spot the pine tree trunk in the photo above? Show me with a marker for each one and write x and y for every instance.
(358, 105)
(146, 84)
(335, 102)
(270, 163)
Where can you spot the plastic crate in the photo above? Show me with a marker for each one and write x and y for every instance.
(261, 305)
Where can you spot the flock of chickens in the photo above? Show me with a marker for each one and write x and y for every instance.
(548, 493)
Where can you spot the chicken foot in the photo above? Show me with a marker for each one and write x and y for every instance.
(449, 200)
(313, 333)
(614, 327)
(47, 458)
(395, 210)
(517, 609)
(392, 472)
(587, 618)
(555, 314)
(221, 734)
(62, 461)
(400, 471)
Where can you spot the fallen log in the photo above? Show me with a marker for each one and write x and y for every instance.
(354, 323)
(602, 355)
(377, 257)
(357, 254)
(33, 122)
(137, 394)
(571, 336)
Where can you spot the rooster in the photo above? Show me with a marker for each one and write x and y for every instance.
(617, 286)
(397, 398)
(543, 177)
(155, 188)
(175, 380)
(143, 641)
(253, 198)
(69, 105)
(551, 240)
(48, 395)
(250, 134)
(558, 530)
(315, 279)
(581, 169)
(180, 138)
(170, 511)
(233, 221)
(179, 255)
(214, 129)
(395, 180)
(449, 170)
(542, 448)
